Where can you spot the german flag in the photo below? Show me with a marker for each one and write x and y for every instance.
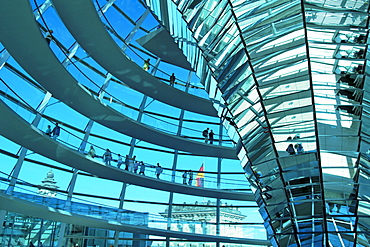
(199, 180)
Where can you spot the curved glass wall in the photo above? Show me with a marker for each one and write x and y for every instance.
(293, 76)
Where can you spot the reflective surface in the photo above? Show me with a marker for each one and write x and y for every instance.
(293, 76)
(289, 80)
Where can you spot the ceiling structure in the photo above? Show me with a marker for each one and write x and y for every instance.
(287, 78)
(291, 72)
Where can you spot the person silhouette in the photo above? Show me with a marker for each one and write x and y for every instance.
(146, 65)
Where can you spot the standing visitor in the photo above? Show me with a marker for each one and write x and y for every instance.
(146, 65)
(127, 162)
(299, 148)
(190, 177)
(119, 161)
(184, 177)
(136, 166)
(211, 135)
(56, 131)
(91, 152)
(205, 135)
(172, 79)
(158, 170)
(142, 168)
(48, 131)
(132, 164)
(107, 156)
(290, 149)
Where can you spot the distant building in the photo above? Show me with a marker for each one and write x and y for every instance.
(48, 186)
(201, 218)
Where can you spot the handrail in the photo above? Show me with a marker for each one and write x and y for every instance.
(130, 108)
(98, 88)
(111, 28)
(167, 174)
(65, 124)
(31, 82)
(84, 195)
(44, 211)
(92, 208)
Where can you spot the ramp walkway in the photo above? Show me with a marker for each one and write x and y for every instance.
(22, 38)
(21, 132)
(91, 34)
(14, 204)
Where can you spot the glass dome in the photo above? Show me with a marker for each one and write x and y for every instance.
(184, 123)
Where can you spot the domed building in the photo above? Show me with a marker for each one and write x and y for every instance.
(187, 217)
(48, 186)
